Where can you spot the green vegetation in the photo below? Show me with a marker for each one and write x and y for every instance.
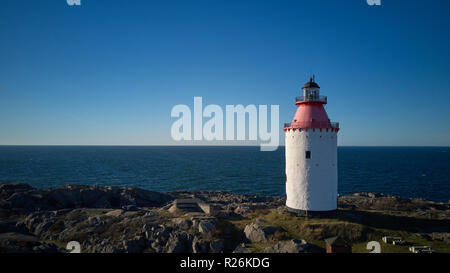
(357, 227)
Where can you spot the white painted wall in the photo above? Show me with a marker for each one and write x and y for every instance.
(311, 184)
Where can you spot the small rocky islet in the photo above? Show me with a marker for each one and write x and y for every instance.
(112, 219)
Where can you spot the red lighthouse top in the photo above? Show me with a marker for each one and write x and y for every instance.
(310, 112)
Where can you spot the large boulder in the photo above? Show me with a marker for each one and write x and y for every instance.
(134, 245)
(177, 243)
(259, 232)
(206, 226)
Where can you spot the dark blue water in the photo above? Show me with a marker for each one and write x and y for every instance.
(406, 171)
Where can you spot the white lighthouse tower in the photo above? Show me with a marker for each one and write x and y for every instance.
(311, 155)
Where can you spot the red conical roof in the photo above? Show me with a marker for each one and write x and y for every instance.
(310, 112)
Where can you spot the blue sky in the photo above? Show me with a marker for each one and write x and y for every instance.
(108, 72)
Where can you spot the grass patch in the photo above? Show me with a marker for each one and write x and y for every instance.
(411, 239)
(258, 247)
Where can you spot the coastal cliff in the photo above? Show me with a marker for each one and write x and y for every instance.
(108, 219)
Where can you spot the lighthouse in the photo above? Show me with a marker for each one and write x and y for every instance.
(311, 155)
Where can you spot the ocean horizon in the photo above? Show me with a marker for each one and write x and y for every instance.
(418, 172)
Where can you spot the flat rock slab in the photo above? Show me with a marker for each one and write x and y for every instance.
(115, 213)
(185, 205)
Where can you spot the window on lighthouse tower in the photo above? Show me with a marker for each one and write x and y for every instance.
(308, 154)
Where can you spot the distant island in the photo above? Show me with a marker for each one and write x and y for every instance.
(111, 219)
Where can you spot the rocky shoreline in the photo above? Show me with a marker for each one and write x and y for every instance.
(132, 220)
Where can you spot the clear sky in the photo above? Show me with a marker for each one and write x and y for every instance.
(110, 71)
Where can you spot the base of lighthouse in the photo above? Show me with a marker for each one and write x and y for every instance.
(311, 213)
(311, 170)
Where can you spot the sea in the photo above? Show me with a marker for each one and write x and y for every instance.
(419, 172)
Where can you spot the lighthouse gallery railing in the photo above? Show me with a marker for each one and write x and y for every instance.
(312, 124)
(311, 98)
